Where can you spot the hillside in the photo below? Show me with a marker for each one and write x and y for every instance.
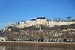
(57, 33)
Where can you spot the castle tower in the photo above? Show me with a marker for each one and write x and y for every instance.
(21, 24)
(9, 23)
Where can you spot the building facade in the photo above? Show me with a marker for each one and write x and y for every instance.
(2, 39)
(42, 21)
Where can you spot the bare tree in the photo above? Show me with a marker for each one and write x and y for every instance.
(69, 18)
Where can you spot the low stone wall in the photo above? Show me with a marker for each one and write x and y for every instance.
(38, 44)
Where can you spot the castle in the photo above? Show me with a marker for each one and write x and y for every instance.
(41, 21)
(40, 35)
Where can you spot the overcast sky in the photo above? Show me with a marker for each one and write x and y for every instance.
(17, 10)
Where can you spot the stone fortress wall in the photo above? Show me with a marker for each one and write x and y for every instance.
(41, 21)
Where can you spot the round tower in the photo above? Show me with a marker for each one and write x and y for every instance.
(9, 23)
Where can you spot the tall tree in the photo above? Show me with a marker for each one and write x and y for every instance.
(69, 18)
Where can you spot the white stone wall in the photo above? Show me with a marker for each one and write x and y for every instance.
(37, 22)
(30, 23)
(21, 25)
(42, 21)
(68, 23)
(9, 23)
(52, 24)
(62, 23)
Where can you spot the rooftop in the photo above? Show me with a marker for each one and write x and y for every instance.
(41, 18)
(33, 19)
